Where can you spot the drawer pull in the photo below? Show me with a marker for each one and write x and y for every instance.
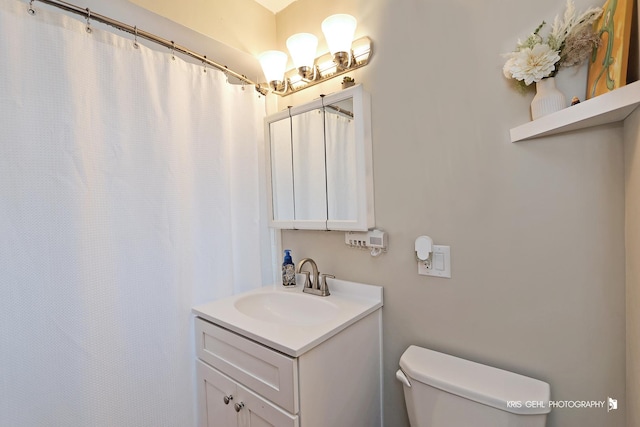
(227, 399)
(239, 406)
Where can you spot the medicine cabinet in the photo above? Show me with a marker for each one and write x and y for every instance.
(320, 164)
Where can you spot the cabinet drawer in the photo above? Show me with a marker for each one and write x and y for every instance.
(256, 411)
(263, 370)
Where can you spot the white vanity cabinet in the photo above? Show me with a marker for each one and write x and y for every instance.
(244, 383)
(320, 166)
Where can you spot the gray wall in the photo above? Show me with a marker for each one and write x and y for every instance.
(536, 229)
(632, 247)
(632, 190)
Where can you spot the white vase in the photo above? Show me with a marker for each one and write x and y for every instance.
(548, 98)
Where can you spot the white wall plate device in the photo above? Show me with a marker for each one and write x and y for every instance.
(439, 265)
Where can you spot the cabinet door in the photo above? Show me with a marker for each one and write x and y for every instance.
(281, 166)
(349, 161)
(213, 387)
(342, 162)
(258, 412)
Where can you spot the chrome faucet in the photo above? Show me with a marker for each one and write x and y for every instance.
(320, 287)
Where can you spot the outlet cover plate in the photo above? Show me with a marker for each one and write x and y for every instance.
(440, 263)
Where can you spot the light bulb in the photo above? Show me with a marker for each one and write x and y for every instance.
(273, 64)
(302, 47)
(339, 31)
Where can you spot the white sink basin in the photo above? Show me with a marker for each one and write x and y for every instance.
(289, 320)
(281, 307)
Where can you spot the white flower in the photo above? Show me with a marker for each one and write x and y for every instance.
(531, 64)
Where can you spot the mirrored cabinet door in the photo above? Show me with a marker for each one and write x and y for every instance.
(349, 160)
(282, 203)
(309, 178)
(341, 162)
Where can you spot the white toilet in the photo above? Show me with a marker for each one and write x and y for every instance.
(445, 391)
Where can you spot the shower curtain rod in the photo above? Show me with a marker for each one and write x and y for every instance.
(341, 110)
(89, 15)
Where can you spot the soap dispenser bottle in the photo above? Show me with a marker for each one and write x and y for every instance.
(288, 270)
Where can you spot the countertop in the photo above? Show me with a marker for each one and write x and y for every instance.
(354, 301)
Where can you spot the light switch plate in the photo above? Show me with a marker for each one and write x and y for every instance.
(440, 263)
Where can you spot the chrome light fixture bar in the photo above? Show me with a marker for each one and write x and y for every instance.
(344, 55)
(325, 67)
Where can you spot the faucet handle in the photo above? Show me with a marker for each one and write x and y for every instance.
(307, 281)
(324, 287)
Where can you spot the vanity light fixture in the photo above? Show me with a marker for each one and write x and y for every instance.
(345, 54)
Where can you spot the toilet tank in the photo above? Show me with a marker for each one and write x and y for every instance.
(445, 391)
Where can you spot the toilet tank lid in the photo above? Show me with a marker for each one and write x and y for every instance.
(474, 381)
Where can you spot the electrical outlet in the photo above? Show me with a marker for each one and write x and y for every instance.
(439, 265)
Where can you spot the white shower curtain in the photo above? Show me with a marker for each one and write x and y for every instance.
(129, 191)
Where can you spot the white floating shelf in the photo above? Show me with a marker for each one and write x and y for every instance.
(610, 107)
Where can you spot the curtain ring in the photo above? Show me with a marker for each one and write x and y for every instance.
(226, 73)
(89, 30)
(135, 37)
(31, 10)
(173, 50)
(204, 63)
